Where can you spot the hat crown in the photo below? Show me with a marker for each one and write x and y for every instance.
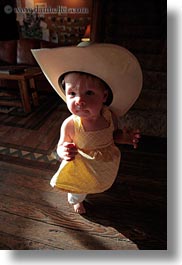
(115, 65)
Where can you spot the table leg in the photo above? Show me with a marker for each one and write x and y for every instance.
(25, 95)
(34, 92)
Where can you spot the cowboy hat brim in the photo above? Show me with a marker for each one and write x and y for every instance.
(114, 64)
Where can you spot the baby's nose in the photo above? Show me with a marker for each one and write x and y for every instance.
(80, 101)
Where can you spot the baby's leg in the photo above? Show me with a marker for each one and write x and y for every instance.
(77, 201)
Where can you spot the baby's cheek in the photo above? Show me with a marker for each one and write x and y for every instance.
(71, 107)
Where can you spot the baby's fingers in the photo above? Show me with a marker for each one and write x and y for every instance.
(137, 133)
(69, 155)
(136, 138)
(70, 151)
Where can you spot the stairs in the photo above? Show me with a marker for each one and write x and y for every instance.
(140, 26)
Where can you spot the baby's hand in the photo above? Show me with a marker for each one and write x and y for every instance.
(135, 137)
(127, 136)
(67, 151)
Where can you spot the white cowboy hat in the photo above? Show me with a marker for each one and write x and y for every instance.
(115, 65)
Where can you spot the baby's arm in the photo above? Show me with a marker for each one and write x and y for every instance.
(66, 149)
(125, 136)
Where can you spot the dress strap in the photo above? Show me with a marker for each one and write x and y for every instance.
(77, 123)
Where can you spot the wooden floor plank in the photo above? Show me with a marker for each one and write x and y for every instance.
(131, 215)
(21, 203)
(12, 242)
(50, 215)
(58, 236)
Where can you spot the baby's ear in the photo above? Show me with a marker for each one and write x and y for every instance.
(105, 96)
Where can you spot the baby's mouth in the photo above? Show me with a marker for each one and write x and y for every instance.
(78, 107)
(81, 110)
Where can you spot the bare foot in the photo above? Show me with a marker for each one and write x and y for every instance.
(79, 208)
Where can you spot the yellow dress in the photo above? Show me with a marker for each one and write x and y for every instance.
(95, 167)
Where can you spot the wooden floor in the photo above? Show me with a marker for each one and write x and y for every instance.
(130, 216)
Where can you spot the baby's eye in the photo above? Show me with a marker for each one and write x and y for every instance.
(72, 93)
(89, 93)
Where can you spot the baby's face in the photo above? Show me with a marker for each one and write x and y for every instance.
(85, 94)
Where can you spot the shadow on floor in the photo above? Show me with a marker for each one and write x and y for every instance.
(142, 222)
